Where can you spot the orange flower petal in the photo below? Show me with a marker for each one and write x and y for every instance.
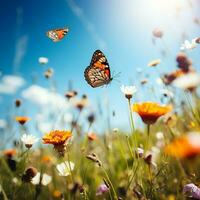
(150, 112)
(56, 137)
(22, 119)
(184, 147)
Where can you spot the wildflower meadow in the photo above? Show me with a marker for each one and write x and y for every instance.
(101, 100)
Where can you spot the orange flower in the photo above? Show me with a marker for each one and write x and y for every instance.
(92, 136)
(22, 119)
(150, 112)
(56, 137)
(57, 193)
(46, 159)
(10, 152)
(184, 147)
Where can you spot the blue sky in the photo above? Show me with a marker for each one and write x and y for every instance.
(121, 29)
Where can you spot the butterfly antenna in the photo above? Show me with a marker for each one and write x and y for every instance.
(116, 75)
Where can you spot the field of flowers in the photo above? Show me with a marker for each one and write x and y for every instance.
(159, 162)
(73, 152)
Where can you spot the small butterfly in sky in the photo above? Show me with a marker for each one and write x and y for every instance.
(57, 34)
(98, 72)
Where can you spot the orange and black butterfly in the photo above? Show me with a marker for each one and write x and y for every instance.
(57, 34)
(98, 73)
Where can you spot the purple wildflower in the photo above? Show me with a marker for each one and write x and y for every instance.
(102, 189)
(193, 190)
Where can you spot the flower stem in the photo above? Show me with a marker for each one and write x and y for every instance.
(4, 194)
(122, 150)
(132, 124)
(68, 160)
(131, 116)
(129, 147)
(76, 121)
(115, 194)
(133, 175)
(148, 137)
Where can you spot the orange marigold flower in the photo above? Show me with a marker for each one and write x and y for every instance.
(57, 137)
(185, 146)
(46, 159)
(92, 136)
(150, 112)
(22, 119)
(10, 152)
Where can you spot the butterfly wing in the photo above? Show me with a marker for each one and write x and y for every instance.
(96, 77)
(98, 73)
(57, 34)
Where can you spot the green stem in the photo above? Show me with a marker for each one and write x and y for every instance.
(4, 194)
(131, 178)
(68, 160)
(132, 125)
(122, 150)
(129, 147)
(76, 121)
(148, 137)
(115, 194)
(131, 116)
(84, 174)
(192, 109)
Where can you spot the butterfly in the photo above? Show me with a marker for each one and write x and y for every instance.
(98, 72)
(57, 34)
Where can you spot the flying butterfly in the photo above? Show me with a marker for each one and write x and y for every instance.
(57, 34)
(98, 72)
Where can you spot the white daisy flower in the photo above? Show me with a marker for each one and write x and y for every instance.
(128, 91)
(29, 140)
(46, 179)
(159, 135)
(65, 168)
(187, 45)
(188, 81)
(43, 60)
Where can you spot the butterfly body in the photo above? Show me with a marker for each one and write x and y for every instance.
(57, 34)
(98, 72)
